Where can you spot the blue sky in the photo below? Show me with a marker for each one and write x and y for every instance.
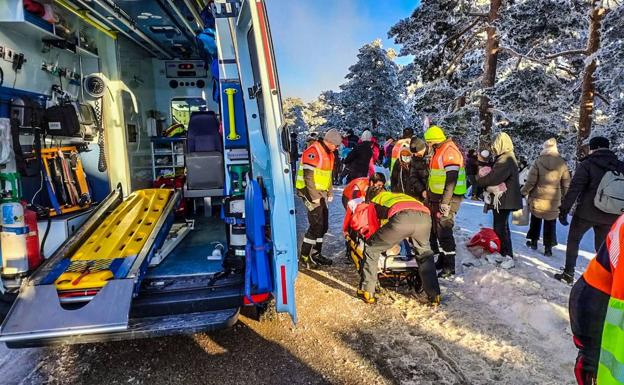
(317, 40)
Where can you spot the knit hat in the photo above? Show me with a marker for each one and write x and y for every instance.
(599, 142)
(417, 144)
(333, 136)
(366, 136)
(550, 147)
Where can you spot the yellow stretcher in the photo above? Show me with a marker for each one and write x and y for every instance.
(115, 243)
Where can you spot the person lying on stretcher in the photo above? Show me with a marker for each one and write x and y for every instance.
(385, 219)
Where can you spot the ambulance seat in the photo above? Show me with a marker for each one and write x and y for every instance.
(204, 156)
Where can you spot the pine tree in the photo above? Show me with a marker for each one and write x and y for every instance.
(610, 80)
(294, 110)
(372, 98)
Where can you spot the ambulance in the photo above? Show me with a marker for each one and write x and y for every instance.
(146, 188)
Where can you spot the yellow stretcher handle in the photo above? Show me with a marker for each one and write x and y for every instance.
(232, 132)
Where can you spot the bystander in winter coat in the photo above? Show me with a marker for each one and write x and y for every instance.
(547, 182)
(504, 170)
(358, 160)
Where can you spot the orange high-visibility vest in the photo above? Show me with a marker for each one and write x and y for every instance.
(611, 363)
(446, 155)
(321, 162)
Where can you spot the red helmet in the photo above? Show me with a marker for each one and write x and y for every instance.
(487, 239)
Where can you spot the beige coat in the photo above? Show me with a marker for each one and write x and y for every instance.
(546, 185)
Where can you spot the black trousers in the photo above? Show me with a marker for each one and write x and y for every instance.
(318, 224)
(578, 228)
(472, 181)
(442, 227)
(501, 228)
(550, 230)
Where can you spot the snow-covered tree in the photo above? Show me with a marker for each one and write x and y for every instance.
(372, 98)
(326, 112)
(294, 110)
(610, 79)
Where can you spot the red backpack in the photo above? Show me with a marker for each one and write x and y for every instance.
(364, 220)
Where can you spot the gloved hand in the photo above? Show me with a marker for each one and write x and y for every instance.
(563, 218)
(445, 209)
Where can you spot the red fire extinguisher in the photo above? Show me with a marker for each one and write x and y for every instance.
(32, 239)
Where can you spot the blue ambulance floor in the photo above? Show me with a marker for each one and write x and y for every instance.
(191, 255)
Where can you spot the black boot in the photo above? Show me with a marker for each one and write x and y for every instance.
(448, 268)
(532, 243)
(548, 251)
(317, 257)
(565, 276)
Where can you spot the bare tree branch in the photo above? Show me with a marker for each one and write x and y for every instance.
(462, 32)
(601, 97)
(572, 52)
(460, 54)
(519, 55)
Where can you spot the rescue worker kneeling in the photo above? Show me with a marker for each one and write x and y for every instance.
(401, 217)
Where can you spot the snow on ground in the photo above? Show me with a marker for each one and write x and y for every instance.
(495, 325)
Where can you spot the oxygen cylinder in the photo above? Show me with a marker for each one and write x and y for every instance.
(12, 215)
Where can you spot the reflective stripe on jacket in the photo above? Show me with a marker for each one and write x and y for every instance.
(321, 162)
(611, 282)
(397, 202)
(446, 157)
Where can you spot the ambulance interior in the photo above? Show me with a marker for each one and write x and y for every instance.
(151, 225)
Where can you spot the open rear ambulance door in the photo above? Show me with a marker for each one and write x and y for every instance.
(250, 57)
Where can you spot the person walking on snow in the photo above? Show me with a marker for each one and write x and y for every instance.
(504, 171)
(314, 186)
(546, 184)
(359, 158)
(401, 217)
(582, 191)
(597, 314)
(446, 188)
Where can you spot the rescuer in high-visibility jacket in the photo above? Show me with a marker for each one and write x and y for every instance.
(445, 190)
(401, 217)
(314, 186)
(597, 314)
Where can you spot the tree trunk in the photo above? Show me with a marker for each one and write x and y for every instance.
(489, 74)
(588, 89)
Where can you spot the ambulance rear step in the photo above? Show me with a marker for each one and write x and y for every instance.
(37, 313)
(158, 326)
